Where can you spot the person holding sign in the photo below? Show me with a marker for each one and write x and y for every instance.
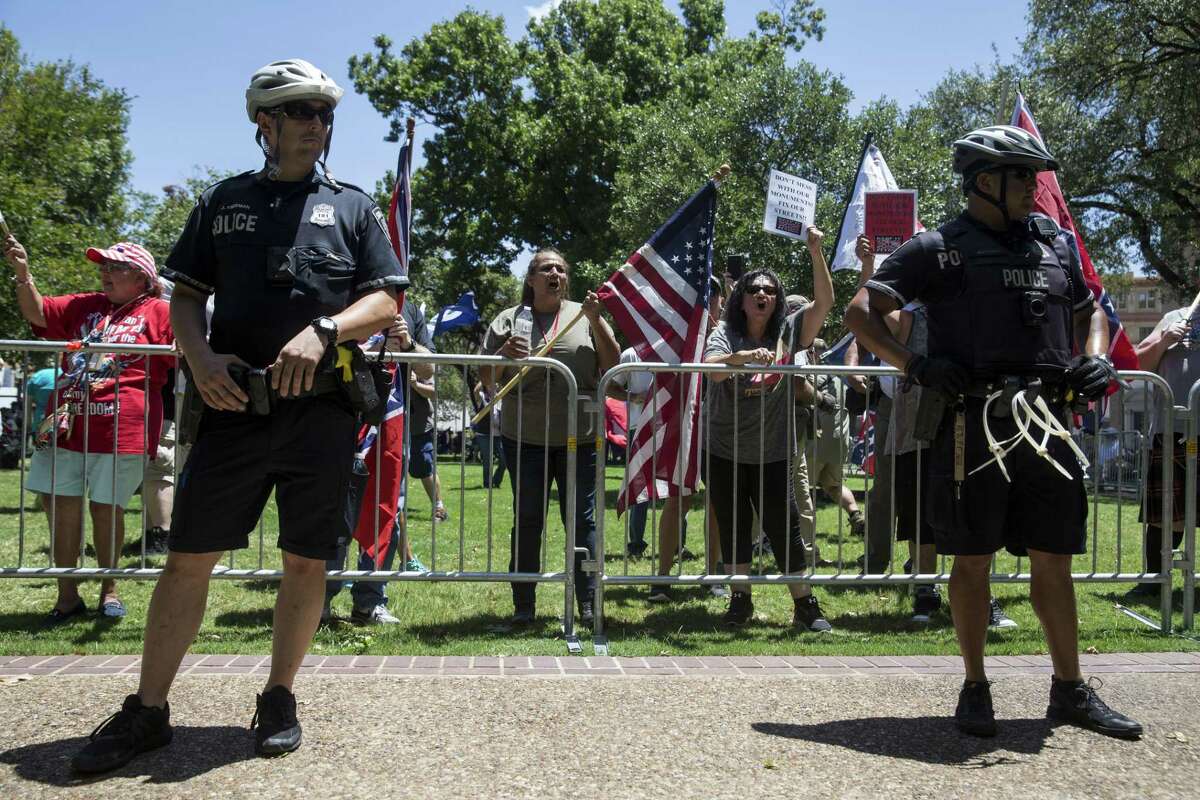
(748, 438)
(533, 419)
(1007, 308)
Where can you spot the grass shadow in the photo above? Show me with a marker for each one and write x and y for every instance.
(930, 740)
(194, 751)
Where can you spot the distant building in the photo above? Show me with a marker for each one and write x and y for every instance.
(1143, 304)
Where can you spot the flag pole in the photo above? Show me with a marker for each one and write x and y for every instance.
(512, 384)
(718, 176)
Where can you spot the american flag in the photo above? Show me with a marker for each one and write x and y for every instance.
(1049, 200)
(382, 448)
(659, 298)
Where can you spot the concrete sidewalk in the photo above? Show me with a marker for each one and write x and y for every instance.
(736, 727)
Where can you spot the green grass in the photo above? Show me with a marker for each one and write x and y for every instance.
(468, 618)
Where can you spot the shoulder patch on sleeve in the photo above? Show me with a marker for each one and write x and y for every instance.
(382, 220)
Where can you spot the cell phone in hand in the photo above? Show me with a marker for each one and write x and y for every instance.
(735, 264)
(4, 231)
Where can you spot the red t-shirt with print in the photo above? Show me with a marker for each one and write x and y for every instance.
(146, 321)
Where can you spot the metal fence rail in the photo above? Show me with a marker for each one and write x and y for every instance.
(452, 566)
(1106, 475)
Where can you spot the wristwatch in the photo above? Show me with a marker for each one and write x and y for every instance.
(327, 328)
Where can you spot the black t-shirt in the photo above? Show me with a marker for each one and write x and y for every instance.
(420, 410)
(914, 272)
(276, 255)
(997, 304)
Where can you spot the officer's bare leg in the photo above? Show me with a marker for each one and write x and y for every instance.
(297, 614)
(68, 534)
(970, 596)
(106, 521)
(176, 611)
(1053, 598)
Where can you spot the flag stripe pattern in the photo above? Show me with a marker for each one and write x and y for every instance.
(382, 448)
(659, 298)
(1049, 200)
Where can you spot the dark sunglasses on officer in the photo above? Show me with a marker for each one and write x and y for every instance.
(304, 112)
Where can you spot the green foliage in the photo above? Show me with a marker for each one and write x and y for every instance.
(529, 136)
(160, 220)
(64, 167)
(1126, 72)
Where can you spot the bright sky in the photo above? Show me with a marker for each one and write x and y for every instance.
(186, 65)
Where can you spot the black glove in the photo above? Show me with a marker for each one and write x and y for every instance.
(826, 402)
(1089, 376)
(941, 374)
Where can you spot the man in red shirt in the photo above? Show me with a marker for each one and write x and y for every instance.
(96, 432)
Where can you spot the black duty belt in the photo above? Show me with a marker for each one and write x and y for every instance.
(1051, 391)
(256, 383)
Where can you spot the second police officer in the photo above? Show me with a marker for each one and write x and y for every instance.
(296, 262)
(1007, 307)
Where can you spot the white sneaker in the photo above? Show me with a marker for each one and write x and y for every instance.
(718, 591)
(379, 615)
(997, 618)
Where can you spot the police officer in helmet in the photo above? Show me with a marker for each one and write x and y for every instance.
(296, 264)
(1012, 326)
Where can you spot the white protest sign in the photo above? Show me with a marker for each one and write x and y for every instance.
(791, 205)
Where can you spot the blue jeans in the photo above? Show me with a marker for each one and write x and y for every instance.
(488, 451)
(529, 524)
(637, 527)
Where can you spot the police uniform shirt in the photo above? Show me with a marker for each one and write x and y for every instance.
(277, 255)
(976, 319)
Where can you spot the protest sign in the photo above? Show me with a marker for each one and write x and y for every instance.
(890, 219)
(791, 205)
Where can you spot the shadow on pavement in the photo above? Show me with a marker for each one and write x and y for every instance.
(194, 751)
(932, 740)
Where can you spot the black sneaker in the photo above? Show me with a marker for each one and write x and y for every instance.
(1077, 703)
(926, 602)
(134, 729)
(661, 594)
(587, 614)
(974, 714)
(156, 541)
(807, 615)
(276, 729)
(741, 609)
(997, 619)
(522, 616)
(858, 525)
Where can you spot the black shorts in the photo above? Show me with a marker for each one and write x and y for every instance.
(303, 451)
(420, 461)
(1039, 510)
(911, 479)
(1151, 510)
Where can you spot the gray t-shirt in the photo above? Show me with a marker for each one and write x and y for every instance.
(1180, 368)
(761, 402)
(420, 410)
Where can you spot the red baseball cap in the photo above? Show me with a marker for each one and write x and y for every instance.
(127, 253)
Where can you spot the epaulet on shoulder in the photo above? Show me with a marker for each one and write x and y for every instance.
(358, 189)
(212, 187)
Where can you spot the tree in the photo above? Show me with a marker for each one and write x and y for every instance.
(64, 169)
(158, 221)
(1126, 69)
(529, 134)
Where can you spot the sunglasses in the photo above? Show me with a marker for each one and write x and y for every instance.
(765, 288)
(303, 112)
(113, 266)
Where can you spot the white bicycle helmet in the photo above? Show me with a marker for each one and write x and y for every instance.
(291, 79)
(1002, 146)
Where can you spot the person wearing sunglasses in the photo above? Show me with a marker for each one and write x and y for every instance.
(99, 423)
(297, 263)
(1010, 321)
(748, 438)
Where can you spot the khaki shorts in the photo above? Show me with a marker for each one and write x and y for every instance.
(162, 469)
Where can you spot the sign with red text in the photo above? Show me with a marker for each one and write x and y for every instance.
(890, 220)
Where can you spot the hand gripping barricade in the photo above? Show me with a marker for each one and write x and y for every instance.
(466, 566)
(1036, 425)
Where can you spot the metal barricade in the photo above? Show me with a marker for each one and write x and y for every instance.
(1188, 564)
(463, 564)
(1103, 564)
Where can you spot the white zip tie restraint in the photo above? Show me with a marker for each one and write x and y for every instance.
(1023, 414)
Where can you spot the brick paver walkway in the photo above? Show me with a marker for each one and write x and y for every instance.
(551, 666)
